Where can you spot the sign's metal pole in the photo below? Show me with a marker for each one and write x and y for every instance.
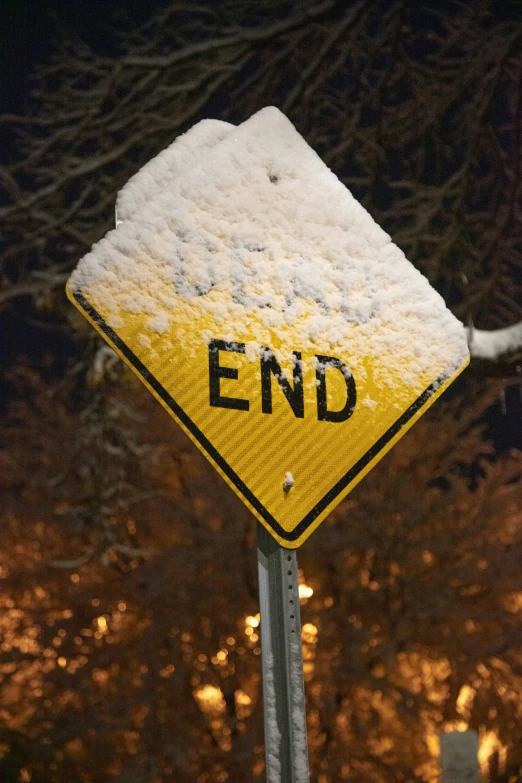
(283, 686)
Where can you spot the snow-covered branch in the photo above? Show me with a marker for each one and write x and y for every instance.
(497, 344)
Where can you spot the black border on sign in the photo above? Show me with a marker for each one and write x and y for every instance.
(223, 464)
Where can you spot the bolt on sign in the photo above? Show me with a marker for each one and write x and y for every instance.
(270, 315)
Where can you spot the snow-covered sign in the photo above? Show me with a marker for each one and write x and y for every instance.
(459, 757)
(270, 315)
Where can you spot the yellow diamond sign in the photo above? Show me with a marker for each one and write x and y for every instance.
(274, 320)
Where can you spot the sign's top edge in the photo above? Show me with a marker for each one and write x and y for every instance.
(261, 234)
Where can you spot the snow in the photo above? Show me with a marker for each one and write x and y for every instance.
(273, 738)
(298, 715)
(495, 344)
(368, 402)
(258, 234)
(160, 172)
(159, 323)
(145, 340)
(289, 482)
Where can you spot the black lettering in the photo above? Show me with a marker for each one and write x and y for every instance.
(295, 396)
(216, 372)
(323, 414)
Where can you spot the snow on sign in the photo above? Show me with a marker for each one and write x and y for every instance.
(270, 315)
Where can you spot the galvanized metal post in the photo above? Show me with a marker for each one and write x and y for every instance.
(283, 686)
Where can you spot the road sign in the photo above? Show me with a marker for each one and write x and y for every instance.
(275, 321)
(459, 757)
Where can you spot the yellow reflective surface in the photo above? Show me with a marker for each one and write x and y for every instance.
(253, 449)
